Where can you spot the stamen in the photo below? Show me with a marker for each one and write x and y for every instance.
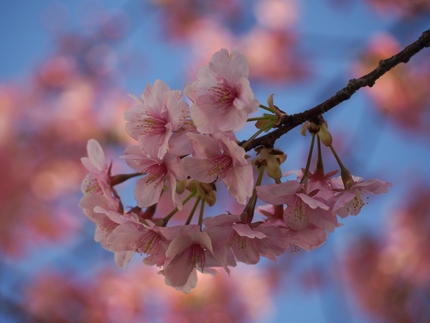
(220, 166)
(225, 95)
(153, 124)
(148, 241)
(155, 173)
(297, 212)
(196, 256)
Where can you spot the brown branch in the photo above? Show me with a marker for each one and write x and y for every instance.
(291, 121)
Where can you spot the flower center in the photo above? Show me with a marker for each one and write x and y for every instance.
(357, 202)
(294, 211)
(148, 242)
(91, 184)
(155, 173)
(153, 124)
(196, 256)
(224, 94)
(220, 166)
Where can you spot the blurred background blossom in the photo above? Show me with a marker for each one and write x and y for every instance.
(66, 74)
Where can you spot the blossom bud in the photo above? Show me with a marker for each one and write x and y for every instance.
(312, 127)
(271, 158)
(206, 191)
(181, 186)
(325, 135)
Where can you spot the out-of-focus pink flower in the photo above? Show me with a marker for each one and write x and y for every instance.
(396, 95)
(308, 238)
(160, 112)
(388, 274)
(97, 180)
(97, 208)
(222, 96)
(185, 19)
(273, 55)
(219, 157)
(405, 8)
(143, 237)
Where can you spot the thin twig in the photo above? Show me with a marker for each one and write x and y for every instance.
(291, 121)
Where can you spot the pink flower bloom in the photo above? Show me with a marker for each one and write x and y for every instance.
(318, 183)
(158, 172)
(246, 241)
(179, 143)
(185, 253)
(97, 180)
(308, 238)
(158, 114)
(222, 95)
(97, 209)
(301, 208)
(140, 237)
(219, 157)
(350, 201)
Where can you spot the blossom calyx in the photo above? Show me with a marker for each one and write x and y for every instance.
(206, 191)
(271, 158)
(325, 135)
(278, 112)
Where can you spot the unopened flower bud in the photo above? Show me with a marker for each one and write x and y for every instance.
(181, 186)
(206, 191)
(211, 198)
(325, 135)
(309, 126)
(271, 158)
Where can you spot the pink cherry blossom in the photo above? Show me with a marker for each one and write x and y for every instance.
(185, 253)
(160, 112)
(158, 172)
(301, 209)
(246, 241)
(143, 237)
(179, 143)
(220, 158)
(97, 180)
(350, 201)
(320, 184)
(222, 96)
(97, 209)
(308, 238)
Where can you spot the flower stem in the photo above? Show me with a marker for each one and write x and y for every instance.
(190, 217)
(258, 118)
(248, 212)
(319, 167)
(166, 219)
(265, 108)
(202, 208)
(346, 176)
(308, 162)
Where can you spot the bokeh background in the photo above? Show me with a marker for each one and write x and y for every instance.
(66, 69)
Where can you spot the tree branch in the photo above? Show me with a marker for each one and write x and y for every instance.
(291, 121)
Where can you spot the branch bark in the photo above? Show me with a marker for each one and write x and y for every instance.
(291, 121)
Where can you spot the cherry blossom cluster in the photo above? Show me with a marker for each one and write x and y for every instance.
(183, 150)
